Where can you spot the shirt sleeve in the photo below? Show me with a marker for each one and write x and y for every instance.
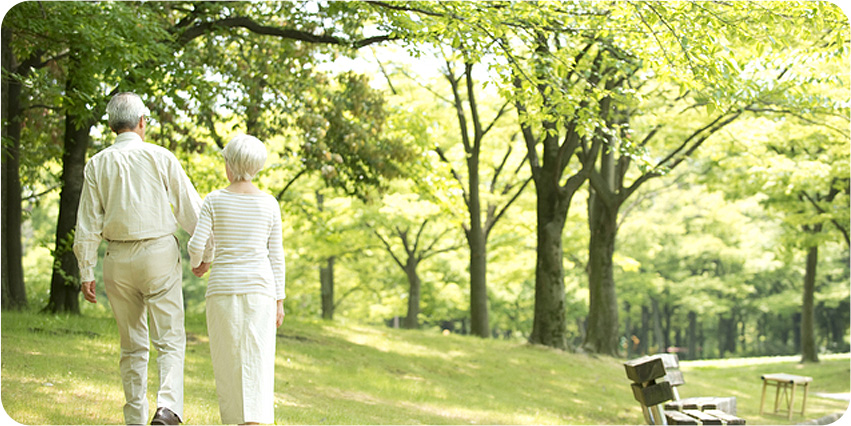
(202, 236)
(186, 202)
(276, 252)
(89, 227)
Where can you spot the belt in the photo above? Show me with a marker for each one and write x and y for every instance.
(140, 240)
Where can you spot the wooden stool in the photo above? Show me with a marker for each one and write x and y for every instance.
(785, 381)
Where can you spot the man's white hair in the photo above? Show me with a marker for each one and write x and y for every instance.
(124, 110)
(245, 156)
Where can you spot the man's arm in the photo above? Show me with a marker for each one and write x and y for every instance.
(88, 234)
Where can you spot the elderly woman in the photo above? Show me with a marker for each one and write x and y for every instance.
(245, 291)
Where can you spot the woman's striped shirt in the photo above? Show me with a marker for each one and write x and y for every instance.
(249, 253)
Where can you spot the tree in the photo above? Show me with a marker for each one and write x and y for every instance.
(476, 230)
(442, 27)
(804, 170)
(805, 179)
(417, 241)
(717, 83)
(13, 289)
(350, 141)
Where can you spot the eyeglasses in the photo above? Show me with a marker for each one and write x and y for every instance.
(147, 119)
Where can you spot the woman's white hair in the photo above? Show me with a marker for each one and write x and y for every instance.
(244, 156)
(124, 110)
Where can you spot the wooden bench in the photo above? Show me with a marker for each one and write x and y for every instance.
(651, 389)
(674, 376)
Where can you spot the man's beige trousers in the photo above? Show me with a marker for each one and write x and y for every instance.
(141, 278)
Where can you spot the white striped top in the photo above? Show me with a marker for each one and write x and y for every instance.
(249, 252)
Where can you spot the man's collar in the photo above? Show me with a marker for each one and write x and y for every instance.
(128, 137)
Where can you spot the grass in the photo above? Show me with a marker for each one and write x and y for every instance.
(64, 370)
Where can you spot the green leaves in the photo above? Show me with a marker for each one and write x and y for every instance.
(347, 138)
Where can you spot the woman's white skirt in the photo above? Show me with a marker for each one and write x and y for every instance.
(242, 347)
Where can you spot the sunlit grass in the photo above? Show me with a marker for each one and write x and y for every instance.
(64, 370)
(741, 377)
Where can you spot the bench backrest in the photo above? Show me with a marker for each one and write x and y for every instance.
(649, 386)
(673, 375)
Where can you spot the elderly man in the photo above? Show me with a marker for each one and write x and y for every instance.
(134, 196)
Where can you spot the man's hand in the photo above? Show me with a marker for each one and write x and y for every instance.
(201, 269)
(88, 289)
(279, 318)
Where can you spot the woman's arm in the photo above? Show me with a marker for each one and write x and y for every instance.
(279, 318)
(276, 252)
(203, 233)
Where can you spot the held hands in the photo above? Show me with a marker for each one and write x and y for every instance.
(201, 269)
(88, 289)
(279, 318)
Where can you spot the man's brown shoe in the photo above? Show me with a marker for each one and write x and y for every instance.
(164, 416)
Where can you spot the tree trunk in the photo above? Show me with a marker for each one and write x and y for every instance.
(13, 288)
(692, 335)
(796, 331)
(548, 326)
(478, 254)
(411, 320)
(603, 206)
(727, 334)
(326, 288)
(733, 333)
(658, 337)
(65, 284)
(668, 311)
(479, 321)
(602, 333)
(809, 351)
(627, 328)
(643, 342)
(326, 274)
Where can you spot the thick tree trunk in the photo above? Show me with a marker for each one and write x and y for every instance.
(411, 320)
(65, 284)
(13, 289)
(602, 333)
(326, 288)
(548, 327)
(809, 351)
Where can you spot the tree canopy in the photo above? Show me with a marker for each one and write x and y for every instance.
(607, 177)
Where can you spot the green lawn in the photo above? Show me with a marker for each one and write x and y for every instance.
(61, 370)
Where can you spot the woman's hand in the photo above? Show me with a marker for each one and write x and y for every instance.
(201, 269)
(279, 318)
